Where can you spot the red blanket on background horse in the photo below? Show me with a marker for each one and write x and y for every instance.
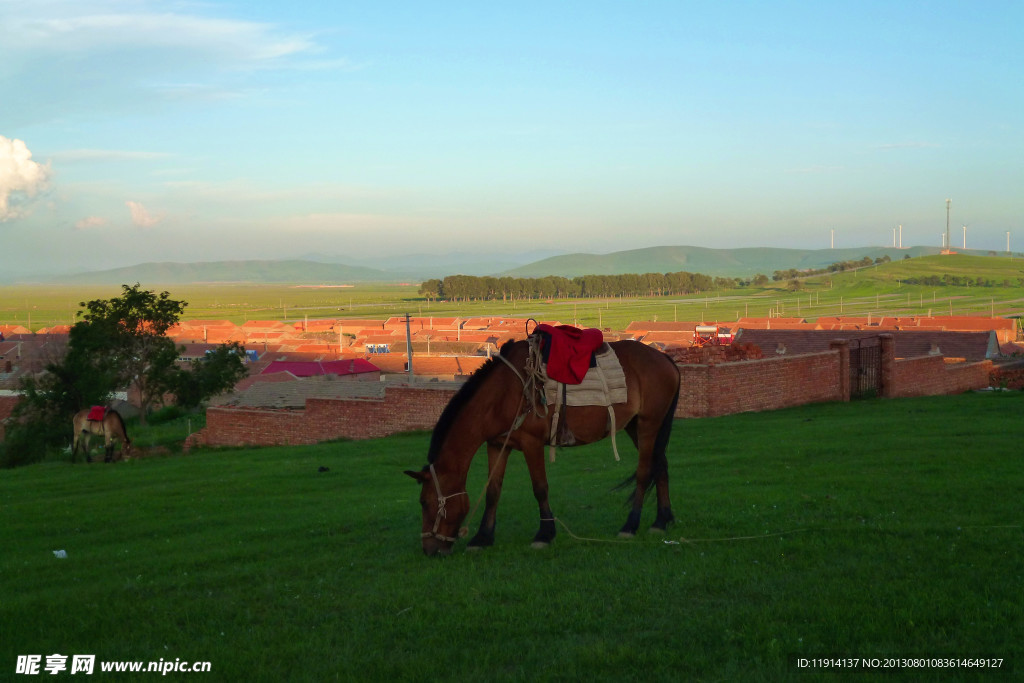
(97, 413)
(570, 351)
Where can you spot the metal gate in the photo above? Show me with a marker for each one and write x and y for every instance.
(865, 367)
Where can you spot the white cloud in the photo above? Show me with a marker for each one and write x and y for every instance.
(141, 216)
(20, 177)
(907, 145)
(80, 155)
(91, 222)
(112, 24)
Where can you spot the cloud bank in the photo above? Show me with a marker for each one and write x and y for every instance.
(141, 216)
(20, 177)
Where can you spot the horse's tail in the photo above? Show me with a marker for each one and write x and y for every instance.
(124, 430)
(659, 462)
(659, 457)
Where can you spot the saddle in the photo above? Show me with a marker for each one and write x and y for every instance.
(568, 351)
(96, 414)
(578, 369)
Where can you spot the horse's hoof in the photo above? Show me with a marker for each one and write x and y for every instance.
(539, 545)
(656, 531)
(626, 534)
(474, 548)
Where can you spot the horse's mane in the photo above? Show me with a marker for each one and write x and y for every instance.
(463, 396)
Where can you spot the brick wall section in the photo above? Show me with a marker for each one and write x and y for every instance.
(933, 376)
(768, 384)
(706, 391)
(1008, 378)
(7, 404)
(403, 409)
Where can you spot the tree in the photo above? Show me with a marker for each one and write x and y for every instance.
(216, 372)
(124, 341)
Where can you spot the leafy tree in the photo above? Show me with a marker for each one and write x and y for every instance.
(216, 372)
(123, 340)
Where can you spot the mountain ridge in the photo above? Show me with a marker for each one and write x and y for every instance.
(739, 262)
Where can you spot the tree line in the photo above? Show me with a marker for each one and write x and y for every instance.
(472, 287)
(837, 267)
(962, 281)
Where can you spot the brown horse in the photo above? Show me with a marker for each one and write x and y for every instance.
(486, 408)
(111, 428)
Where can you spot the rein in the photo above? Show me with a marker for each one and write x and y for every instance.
(442, 513)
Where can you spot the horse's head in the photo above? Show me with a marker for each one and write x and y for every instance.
(442, 513)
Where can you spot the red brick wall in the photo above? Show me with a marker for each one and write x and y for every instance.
(7, 404)
(768, 384)
(706, 391)
(1008, 378)
(403, 409)
(933, 376)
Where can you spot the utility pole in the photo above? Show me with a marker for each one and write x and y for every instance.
(948, 245)
(408, 344)
(965, 237)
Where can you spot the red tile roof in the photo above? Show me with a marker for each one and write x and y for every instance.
(352, 366)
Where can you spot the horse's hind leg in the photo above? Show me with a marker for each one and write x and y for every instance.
(535, 463)
(496, 461)
(652, 468)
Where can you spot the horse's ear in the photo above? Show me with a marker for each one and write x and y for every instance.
(419, 475)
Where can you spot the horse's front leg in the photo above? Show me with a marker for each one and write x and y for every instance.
(497, 459)
(535, 462)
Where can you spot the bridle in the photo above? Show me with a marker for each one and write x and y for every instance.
(442, 513)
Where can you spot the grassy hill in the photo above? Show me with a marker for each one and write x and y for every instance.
(717, 262)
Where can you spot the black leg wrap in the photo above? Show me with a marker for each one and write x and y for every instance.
(632, 523)
(546, 532)
(664, 518)
(484, 538)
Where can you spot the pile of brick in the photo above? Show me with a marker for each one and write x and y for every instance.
(713, 355)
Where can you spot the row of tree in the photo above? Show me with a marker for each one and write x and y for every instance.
(962, 281)
(118, 344)
(471, 287)
(836, 267)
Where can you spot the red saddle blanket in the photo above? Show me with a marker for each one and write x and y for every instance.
(570, 351)
(96, 413)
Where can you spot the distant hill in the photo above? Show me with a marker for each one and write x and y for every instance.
(300, 272)
(716, 262)
(744, 262)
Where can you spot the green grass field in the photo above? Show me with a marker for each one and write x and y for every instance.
(882, 528)
(878, 290)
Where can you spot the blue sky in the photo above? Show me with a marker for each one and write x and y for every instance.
(136, 130)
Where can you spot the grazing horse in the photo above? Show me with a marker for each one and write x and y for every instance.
(492, 408)
(111, 428)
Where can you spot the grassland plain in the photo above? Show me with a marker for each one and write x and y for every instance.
(875, 529)
(876, 290)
